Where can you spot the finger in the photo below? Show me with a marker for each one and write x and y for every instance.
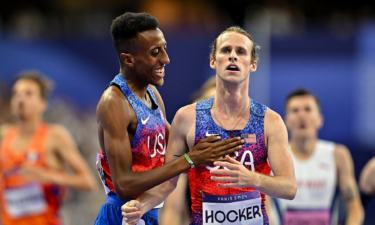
(230, 151)
(131, 214)
(227, 185)
(209, 139)
(232, 160)
(227, 165)
(232, 141)
(232, 173)
(128, 208)
(133, 220)
(225, 179)
(229, 145)
(225, 159)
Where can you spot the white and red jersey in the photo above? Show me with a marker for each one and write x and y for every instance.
(316, 180)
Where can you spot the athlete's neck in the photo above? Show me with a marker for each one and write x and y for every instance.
(231, 100)
(138, 87)
(303, 147)
(28, 127)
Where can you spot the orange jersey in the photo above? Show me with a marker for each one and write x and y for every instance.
(24, 202)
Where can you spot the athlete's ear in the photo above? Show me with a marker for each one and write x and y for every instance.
(127, 59)
(254, 66)
(213, 63)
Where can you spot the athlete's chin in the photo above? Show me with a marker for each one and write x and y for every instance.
(159, 82)
(233, 79)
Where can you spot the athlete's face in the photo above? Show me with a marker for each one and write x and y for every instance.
(233, 57)
(303, 117)
(150, 57)
(26, 101)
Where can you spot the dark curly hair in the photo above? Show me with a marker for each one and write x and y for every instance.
(124, 29)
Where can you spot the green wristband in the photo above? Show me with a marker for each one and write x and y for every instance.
(189, 161)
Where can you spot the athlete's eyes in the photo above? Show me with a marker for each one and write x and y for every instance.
(241, 52)
(155, 52)
(294, 110)
(225, 51)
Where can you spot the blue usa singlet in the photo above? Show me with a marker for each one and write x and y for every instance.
(223, 205)
(148, 148)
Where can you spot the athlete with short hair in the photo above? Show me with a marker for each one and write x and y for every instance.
(320, 166)
(228, 192)
(132, 126)
(33, 158)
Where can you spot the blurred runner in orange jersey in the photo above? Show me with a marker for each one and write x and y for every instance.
(33, 158)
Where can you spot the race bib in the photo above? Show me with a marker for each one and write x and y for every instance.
(321, 217)
(239, 209)
(100, 170)
(25, 201)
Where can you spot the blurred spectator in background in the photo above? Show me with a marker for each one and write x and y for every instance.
(176, 208)
(320, 166)
(34, 156)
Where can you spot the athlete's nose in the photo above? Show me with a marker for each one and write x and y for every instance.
(165, 59)
(233, 56)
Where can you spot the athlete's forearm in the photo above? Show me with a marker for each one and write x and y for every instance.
(355, 214)
(275, 186)
(156, 195)
(135, 183)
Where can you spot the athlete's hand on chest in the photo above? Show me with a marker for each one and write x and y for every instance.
(205, 153)
(238, 175)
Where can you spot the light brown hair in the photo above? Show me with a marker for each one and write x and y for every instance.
(237, 29)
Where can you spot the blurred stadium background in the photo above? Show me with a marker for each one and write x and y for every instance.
(325, 46)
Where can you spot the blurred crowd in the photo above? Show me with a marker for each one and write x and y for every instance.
(36, 19)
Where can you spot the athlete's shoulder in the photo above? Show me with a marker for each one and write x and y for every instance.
(342, 155)
(112, 101)
(112, 94)
(186, 114)
(341, 151)
(272, 116)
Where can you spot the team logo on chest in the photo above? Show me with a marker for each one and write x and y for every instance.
(249, 163)
(158, 146)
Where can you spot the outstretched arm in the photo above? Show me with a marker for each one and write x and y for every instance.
(348, 186)
(283, 183)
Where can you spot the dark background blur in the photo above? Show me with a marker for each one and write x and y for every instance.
(325, 46)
